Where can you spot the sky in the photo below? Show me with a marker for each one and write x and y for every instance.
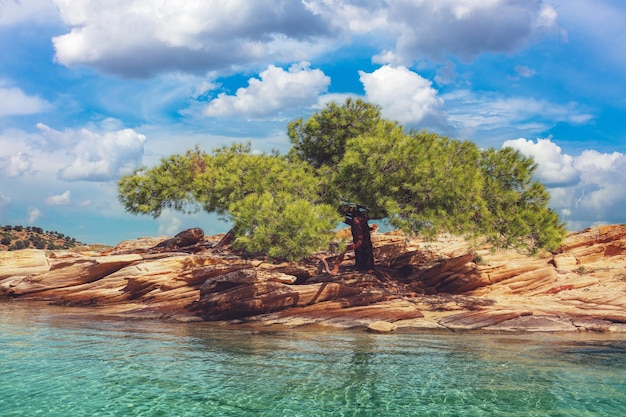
(91, 90)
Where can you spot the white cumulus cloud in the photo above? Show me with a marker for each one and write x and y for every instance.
(586, 188)
(404, 96)
(275, 89)
(464, 28)
(33, 215)
(62, 199)
(554, 168)
(96, 156)
(14, 102)
(13, 12)
(18, 164)
(603, 176)
(101, 158)
(138, 38)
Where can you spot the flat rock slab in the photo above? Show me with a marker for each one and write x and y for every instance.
(419, 324)
(535, 324)
(480, 319)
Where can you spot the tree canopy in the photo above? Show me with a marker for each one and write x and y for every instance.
(321, 140)
(286, 206)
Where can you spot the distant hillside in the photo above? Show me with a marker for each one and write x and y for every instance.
(24, 237)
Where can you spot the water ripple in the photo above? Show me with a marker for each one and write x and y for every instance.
(54, 365)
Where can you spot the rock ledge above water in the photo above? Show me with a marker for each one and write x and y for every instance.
(443, 285)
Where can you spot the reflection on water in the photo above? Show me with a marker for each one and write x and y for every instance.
(55, 365)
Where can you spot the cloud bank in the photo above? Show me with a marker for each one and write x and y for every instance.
(103, 157)
(71, 154)
(586, 188)
(464, 29)
(140, 38)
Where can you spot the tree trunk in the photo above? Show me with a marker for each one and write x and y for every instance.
(361, 239)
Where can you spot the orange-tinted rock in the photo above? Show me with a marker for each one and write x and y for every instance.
(349, 312)
(479, 319)
(71, 270)
(565, 262)
(23, 263)
(444, 284)
(535, 324)
(187, 237)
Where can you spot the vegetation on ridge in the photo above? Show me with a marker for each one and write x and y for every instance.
(286, 206)
(25, 237)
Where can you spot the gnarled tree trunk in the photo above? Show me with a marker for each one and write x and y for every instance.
(361, 239)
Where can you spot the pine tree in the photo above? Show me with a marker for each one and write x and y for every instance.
(348, 160)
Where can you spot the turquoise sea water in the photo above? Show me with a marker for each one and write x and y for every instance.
(52, 365)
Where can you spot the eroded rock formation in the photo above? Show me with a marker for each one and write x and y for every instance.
(448, 284)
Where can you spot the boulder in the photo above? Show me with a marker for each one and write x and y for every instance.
(381, 327)
(185, 238)
(138, 245)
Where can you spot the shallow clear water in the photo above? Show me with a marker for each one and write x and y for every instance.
(53, 365)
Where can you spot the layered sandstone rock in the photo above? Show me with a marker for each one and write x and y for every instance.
(19, 264)
(446, 285)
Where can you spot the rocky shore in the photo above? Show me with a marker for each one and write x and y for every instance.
(443, 285)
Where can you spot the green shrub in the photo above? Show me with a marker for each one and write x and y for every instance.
(282, 226)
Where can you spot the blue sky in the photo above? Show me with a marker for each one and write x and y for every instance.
(90, 90)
